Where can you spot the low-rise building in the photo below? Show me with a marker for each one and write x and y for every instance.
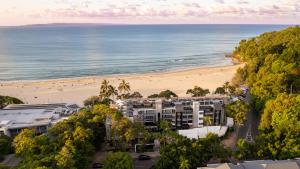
(14, 118)
(181, 112)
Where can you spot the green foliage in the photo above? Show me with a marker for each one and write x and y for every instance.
(5, 145)
(118, 160)
(164, 94)
(124, 87)
(153, 96)
(272, 63)
(238, 111)
(272, 71)
(107, 90)
(245, 150)
(68, 144)
(197, 91)
(220, 90)
(181, 152)
(280, 126)
(91, 101)
(6, 100)
(25, 144)
(134, 95)
(4, 167)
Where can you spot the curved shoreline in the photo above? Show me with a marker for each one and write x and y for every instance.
(75, 90)
(121, 75)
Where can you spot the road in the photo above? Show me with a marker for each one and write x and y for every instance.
(249, 130)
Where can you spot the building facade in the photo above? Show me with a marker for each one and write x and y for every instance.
(180, 112)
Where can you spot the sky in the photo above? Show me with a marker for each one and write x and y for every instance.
(23, 12)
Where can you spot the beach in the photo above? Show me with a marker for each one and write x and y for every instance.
(76, 90)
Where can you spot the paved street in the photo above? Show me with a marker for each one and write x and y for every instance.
(249, 130)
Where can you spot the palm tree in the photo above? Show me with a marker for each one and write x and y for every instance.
(107, 90)
(207, 120)
(112, 91)
(124, 87)
(226, 86)
(104, 89)
(184, 164)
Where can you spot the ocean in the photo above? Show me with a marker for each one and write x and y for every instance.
(77, 50)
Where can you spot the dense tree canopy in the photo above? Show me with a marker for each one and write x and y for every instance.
(69, 144)
(181, 152)
(272, 71)
(238, 111)
(118, 160)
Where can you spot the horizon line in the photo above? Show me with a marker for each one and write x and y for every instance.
(106, 24)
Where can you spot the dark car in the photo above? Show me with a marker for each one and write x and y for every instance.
(98, 165)
(144, 157)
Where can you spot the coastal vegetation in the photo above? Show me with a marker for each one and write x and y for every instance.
(118, 160)
(68, 144)
(164, 94)
(181, 152)
(197, 91)
(237, 110)
(6, 100)
(272, 72)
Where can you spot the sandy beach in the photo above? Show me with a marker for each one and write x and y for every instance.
(75, 90)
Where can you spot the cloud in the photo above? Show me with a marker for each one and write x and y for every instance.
(242, 2)
(220, 1)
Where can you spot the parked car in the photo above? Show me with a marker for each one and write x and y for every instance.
(144, 157)
(98, 165)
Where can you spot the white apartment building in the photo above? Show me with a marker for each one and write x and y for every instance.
(14, 118)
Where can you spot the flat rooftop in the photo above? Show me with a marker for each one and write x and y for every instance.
(29, 115)
(14, 118)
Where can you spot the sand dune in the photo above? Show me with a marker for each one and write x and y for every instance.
(75, 90)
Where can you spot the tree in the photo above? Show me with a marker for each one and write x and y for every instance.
(119, 160)
(197, 91)
(226, 86)
(24, 143)
(136, 95)
(272, 71)
(5, 145)
(153, 96)
(65, 157)
(112, 91)
(244, 150)
(107, 90)
(207, 120)
(124, 87)
(184, 163)
(6, 100)
(220, 90)
(91, 101)
(238, 111)
(164, 94)
(167, 94)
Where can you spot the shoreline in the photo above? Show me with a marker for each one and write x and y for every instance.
(77, 89)
(122, 74)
